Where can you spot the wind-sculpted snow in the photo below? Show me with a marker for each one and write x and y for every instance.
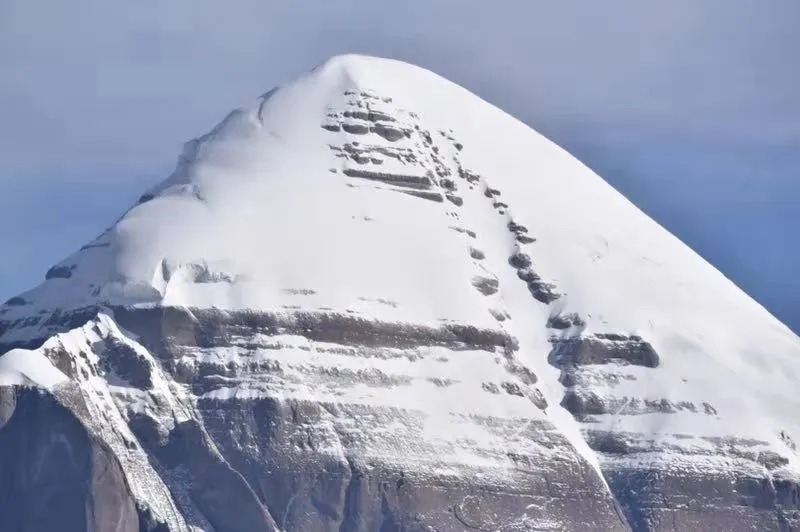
(372, 301)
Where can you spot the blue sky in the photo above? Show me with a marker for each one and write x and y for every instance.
(689, 108)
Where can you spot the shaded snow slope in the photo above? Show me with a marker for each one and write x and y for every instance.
(376, 195)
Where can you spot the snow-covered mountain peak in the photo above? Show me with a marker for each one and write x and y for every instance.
(377, 188)
(374, 236)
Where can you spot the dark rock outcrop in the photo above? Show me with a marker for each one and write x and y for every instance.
(55, 475)
(59, 272)
(675, 499)
(602, 349)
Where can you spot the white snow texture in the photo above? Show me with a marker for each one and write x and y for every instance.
(286, 204)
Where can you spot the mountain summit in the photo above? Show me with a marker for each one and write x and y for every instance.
(373, 301)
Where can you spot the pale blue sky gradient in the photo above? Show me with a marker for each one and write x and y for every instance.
(689, 108)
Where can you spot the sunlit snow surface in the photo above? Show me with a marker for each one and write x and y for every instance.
(303, 203)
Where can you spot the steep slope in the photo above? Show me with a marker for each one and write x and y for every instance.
(374, 301)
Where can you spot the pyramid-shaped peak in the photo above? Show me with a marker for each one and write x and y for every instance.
(475, 301)
(365, 179)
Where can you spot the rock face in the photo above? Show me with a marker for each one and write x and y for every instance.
(374, 302)
(56, 475)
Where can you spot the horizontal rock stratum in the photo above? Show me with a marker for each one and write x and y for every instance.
(372, 301)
